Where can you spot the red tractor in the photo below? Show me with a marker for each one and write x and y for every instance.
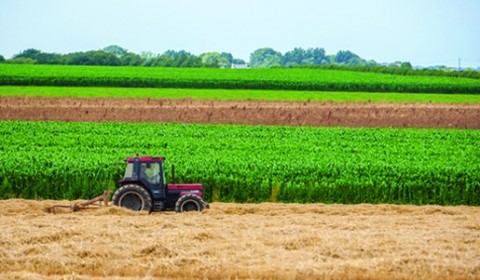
(143, 188)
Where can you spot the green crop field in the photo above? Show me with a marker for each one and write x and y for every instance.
(247, 163)
(278, 79)
(236, 94)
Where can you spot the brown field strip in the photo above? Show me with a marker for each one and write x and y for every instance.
(229, 241)
(346, 114)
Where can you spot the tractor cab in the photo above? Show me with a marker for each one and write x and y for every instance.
(143, 187)
(147, 172)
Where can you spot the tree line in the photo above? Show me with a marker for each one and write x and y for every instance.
(261, 58)
(268, 57)
(118, 56)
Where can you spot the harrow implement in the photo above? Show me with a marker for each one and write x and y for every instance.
(76, 207)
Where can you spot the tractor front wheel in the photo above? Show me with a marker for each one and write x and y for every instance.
(189, 202)
(133, 197)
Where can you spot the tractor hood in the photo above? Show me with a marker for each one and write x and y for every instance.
(184, 189)
(184, 186)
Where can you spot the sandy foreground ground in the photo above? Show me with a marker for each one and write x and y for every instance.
(246, 241)
(346, 114)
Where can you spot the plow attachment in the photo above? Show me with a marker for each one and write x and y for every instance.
(76, 207)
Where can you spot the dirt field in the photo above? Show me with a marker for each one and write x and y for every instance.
(263, 241)
(350, 114)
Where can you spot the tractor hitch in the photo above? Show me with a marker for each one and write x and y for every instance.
(76, 207)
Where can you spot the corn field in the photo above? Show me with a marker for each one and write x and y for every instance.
(278, 79)
(53, 160)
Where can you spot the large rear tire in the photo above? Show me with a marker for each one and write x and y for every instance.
(133, 197)
(189, 202)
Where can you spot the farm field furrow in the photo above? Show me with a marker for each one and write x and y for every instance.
(247, 163)
(247, 112)
(236, 94)
(241, 241)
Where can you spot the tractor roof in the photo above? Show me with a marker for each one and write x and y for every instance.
(146, 159)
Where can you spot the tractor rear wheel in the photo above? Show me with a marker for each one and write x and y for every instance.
(189, 202)
(133, 197)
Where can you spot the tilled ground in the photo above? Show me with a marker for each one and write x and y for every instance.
(347, 114)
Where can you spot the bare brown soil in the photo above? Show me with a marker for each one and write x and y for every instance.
(229, 241)
(349, 114)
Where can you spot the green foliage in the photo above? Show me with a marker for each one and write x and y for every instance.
(115, 50)
(21, 60)
(276, 79)
(216, 60)
(268, 57)
(265, 58)
(402, 69)
(248, 163)
(131, 59)
(299, 56)
(34, 56)
(180, 59)
(28, 53)
(6, 189)
(115, 55)
(92, 58)
(260, 58)
(238, 61)
(348, 58)
(2, 59)
(406, 65)
(237, 94)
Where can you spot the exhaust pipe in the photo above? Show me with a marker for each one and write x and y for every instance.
(173, 174)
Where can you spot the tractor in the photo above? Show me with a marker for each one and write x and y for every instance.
(143, 188)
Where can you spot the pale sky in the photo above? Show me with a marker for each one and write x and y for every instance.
(423, 32)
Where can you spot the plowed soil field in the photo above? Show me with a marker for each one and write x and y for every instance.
(229, 241)
(347, 114)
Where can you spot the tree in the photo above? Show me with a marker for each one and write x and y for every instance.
(21, 60)
(238, 61)
(162, 61)
(92, 58)
(175, 59)
(406, 65)
(186, 59)
(50, 58)
(2, 59)
(131, 59)
(183, 59)
(116, 50)
(265, 58)
(229, 59)
(317, 56)
(41, 57)
(294, 57)
(371, 63)
(299, 56)
(216, 60)
(348, 58)
(28, 53)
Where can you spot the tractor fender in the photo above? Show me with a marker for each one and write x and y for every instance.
(194, 192)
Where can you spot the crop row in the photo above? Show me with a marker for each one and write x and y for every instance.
(247, 163)
(236, 94)
(281, 78)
